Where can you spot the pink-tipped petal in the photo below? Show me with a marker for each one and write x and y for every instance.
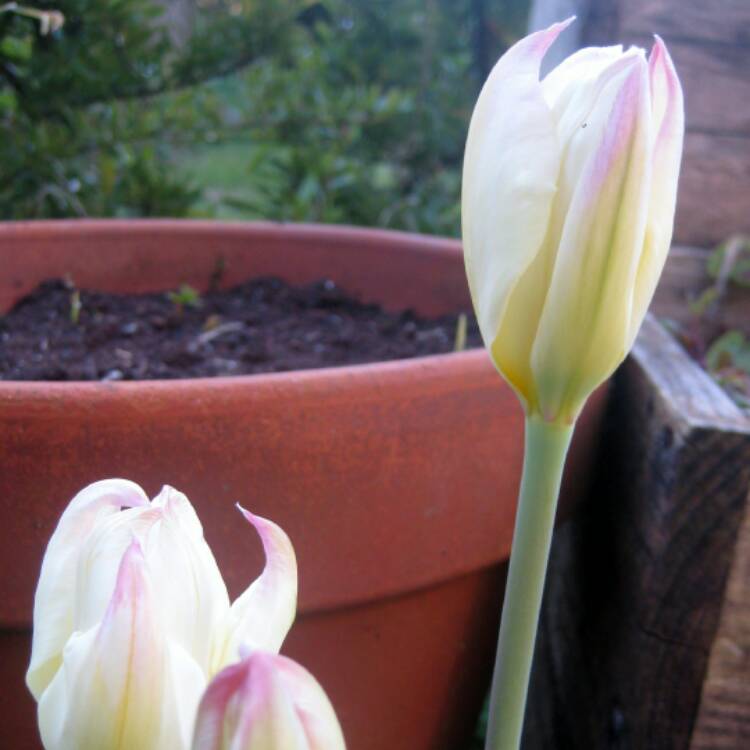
(669, 118)
(574, 91)
(313, 708)
(581, 67)
(266, 702)
(511, 163)
(55, 594)
(261, 617)
(184, 574)
(187, 579)
(99, 559)
(583, 328)
(574, 87)
(666, 91)
(210, 720)
(119, 685)
(266, 718)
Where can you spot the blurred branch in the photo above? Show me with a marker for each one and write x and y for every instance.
(49, 20)
(190, 72)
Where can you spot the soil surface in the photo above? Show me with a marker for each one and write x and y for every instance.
(264, 325)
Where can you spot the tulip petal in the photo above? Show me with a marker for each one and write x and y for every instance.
(55, 593)
(266, 718)
(574, 72)
(261, 617)
(583, 327)
(99, 559)
(186, 684)
(575, 88)
(507, 192)
(213, 708)
(313, 708)
(266, 702)
(247, 708)
(120, 686)
(186, 578)
(669, 116)
(572, 90)
(184, 574)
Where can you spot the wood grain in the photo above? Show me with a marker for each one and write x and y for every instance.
(714, 187)
(637, 581)
(723, 721)
(700, 22)
(723, 22)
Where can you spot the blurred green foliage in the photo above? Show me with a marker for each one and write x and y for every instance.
(337, 111)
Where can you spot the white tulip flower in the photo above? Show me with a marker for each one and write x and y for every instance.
(568, 200)
(130, 595)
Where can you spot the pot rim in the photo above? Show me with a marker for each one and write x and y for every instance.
(472, 358)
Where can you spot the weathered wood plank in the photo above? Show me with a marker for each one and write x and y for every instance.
(717, 87)
(637, 581)
(723, 721)
(702, 22)
(724, 22)
(714, 187)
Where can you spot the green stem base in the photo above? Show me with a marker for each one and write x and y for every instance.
(544, 458)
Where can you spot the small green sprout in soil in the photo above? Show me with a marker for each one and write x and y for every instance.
(185, 296)
(459, 343)
(75, 306)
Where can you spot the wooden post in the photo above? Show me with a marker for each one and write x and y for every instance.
(637, 581)
(723, 721)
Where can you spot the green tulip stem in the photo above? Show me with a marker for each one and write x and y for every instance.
(544, 458)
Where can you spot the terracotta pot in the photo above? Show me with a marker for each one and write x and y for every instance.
(396, 481)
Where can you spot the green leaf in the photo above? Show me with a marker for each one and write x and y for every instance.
(731, 350)
(16, 49)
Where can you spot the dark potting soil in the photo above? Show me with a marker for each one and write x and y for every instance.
(264, 325)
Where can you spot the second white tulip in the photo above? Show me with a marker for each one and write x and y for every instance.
(132, 619)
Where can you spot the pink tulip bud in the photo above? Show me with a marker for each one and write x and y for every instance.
(266, 702)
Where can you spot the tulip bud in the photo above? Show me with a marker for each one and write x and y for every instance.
(266, 702)
(568, 199)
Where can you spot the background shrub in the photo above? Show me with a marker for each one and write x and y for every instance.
(336, 111)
